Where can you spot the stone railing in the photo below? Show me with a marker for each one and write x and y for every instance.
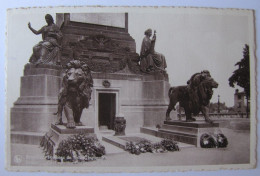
(220, 115)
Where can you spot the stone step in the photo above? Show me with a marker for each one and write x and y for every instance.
(148, 130)
(103, 127)
(177, 132)
(184, 129)
(106, 132)
(180, 137)
(40, 85)
(195, 124)
(25, 105)
(36, 102)
(22, 137)
(79, 129)
(42, 71)
(111, 149)
(32, 121)
(117, 141)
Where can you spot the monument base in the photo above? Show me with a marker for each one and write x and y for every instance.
(57, 133)
(32, 113)
(186, 132)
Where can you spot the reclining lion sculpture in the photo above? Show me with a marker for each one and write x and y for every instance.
(194, 97)
(75, 93)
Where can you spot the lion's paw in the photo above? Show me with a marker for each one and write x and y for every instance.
(71, 125)
(59, 123)
(208, 120)
(168, 119)
(190, 120)
(79, 124)
(193, 119)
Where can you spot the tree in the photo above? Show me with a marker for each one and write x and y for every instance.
(241, 76)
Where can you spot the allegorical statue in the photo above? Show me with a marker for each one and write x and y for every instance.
(151, 60)
(75, 93)
(193, 97)
(47, 51)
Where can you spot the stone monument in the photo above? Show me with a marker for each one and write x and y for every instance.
(194, 98)
(32, 112)
(74, 96)
(120, 86)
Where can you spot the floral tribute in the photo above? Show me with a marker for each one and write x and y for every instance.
(213, 141)
(80, 147)
(77, 148)
(146, 146)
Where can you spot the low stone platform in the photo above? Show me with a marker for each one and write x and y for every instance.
(186, 132)
(58, 133)
(32, 113)
(23, 137)
(115, 140)
(120, 141)
(79, 129)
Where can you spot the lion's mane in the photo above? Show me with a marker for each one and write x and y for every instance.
(75, 93)
(192, 98)
(84, 89)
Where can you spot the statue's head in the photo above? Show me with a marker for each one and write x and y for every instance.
(148, 32)
(76, 75)
(49, 19)
(205, 73)
(210, 82)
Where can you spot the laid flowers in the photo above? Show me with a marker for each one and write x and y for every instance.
(146, 146)
(80, 147)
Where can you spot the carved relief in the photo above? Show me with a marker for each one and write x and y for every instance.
(102, 54)
(106, 84)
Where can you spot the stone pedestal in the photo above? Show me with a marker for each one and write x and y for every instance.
(186, 132)
(58, 133)
(32, 113)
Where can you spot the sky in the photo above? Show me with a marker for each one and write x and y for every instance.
(190, 42)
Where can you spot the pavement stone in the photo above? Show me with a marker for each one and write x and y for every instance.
(237, 152)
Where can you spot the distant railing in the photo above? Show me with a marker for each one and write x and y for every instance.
(220, 115)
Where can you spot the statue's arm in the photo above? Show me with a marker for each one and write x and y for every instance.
(154, 38)
(35, 31)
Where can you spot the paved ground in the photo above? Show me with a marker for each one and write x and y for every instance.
(237, 152)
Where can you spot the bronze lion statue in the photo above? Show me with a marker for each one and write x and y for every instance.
(75, 93)
(194, 97)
